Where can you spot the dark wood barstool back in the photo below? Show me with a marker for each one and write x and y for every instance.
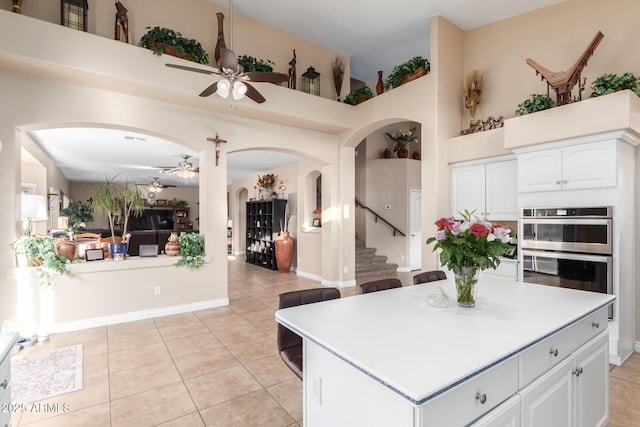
(429, 276)
(290, 343)
(380, 285)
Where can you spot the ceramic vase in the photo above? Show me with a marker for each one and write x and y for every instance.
(380, 84)
(403, 153)
(66, 249)
(466, 280)
(284, 252)
(220, 43)
(172, 247)
(118, 250)
(386, 154)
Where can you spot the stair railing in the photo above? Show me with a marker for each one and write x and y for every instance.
(377, 216)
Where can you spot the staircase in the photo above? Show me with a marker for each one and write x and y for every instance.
(368, 264)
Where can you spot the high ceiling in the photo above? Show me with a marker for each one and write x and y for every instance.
(375, 38)
(375, 35)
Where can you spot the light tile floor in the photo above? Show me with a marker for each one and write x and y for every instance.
(215, 367)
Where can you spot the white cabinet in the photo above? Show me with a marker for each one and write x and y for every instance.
(6, 343)
(573, 167)
(574, 393)
(505, 415)
(489, 188)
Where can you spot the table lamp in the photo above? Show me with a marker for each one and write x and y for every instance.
(33, 207)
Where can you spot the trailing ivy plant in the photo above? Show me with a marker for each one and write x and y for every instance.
(249, 64)
(399, 71)
(359, 95)
(535, 103)
(610, 83)
(79, 213)
(191, 251)
(40, 251)
(157, 38)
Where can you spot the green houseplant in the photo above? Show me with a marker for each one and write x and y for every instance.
(79, 213)
(610, 83)
(535, 103)
(399, 72)
(402, 139)
(40, 251)
(191, 251)
(359, 95)
(249, 64)
(163, 40)
(111, 200)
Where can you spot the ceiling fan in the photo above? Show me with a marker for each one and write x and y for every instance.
(233, 77)
(156, 187)
(185, 168)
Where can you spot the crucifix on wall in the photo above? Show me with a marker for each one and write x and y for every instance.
(217, 141)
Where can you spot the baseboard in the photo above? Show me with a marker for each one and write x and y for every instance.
(136, 315)
(330, 283)
(309, 276)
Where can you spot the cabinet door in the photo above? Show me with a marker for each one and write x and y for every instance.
(505, 415)
(548, 402)
(501, 190)
(540, 171)
(467, 189)
(591, 165)
(592, 383)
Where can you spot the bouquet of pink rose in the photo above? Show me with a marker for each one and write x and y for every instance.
(473, 242)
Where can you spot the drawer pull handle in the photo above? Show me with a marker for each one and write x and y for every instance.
(482, 398)
(4, 384)
(554, 352)
(595, 324)
(578, 371)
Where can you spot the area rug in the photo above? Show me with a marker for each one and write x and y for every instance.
(46, 374)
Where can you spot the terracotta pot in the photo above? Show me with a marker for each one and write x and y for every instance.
(403, 153)
(66, 249)
(172, 247)
(284, 252)
(416, 155)
(386, 154)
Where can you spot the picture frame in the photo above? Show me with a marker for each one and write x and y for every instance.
(161, 202)
(316, 222)
(94, 254)
(511, 252)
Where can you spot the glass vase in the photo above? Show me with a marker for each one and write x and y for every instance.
(466, 279)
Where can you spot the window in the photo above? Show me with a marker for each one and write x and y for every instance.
(73, 14)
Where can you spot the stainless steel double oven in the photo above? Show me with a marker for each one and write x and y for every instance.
(568, 248)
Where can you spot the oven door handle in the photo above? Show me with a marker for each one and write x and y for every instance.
(567, 255)
(568, 221)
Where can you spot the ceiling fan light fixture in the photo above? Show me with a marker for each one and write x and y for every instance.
(186, 174)
(239, 90)
(223, 88)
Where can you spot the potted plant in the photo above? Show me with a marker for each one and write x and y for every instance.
(359, 95)
(79, 213)
(163, 40)
(111, 200)
(249, 64)
(407, 71)
(191, 251)
(535, 103)
(609, 83)
(402, 139)
(40, 251)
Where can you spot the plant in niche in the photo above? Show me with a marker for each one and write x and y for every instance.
(359, 95)
(468, 246)
(402, 138)
(610, 83)
(157, 39)
(394, 79)
(79, 214)
(40, 252)
(191, 251)
(535, 103)
(111, 200)
(266, 181)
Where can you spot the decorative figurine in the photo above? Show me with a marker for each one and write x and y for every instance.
(291, 84)
(121, 21)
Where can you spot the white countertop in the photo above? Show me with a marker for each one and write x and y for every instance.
(418, 350)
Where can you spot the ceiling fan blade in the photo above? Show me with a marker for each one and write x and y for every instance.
(266, 76)
(167, 185)
(254, 94)
(228, 60)
(210, 90)
(195, 70)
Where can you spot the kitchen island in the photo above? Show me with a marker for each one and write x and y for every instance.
(525, 355)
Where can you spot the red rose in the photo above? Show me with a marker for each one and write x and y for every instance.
(479, 230)
(441, 223)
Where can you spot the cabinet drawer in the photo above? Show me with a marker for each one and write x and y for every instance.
(591, 326)
(544, 355)
(5, 375)
(472, 399)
